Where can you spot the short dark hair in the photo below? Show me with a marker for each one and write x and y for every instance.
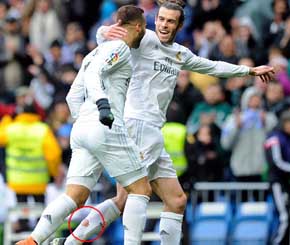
(175, 5)
(129, 13)
(179, 2)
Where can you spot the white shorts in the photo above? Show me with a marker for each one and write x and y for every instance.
(95, 146)
(150, 140)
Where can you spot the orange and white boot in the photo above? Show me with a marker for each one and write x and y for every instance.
(27, 241)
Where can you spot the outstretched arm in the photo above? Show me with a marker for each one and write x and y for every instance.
(266, 73)
(225, 70)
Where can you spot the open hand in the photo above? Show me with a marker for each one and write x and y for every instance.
(266, 73)
(114, 32)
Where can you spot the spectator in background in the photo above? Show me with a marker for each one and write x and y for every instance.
(205, 40)
(13, 53)
(185, 97)
(184, 35)
(203, 152)
(235, 86)
(107, 11)
(211, 10)
(277, 24)
(74, 40)
(213, 110)
(54, 58)
(150, 11)
(280, 63)
(32, 156)
(22, 96)
(108, 7)
(277, 148)
(64, 80)
(45, 26)
(59, 114)
(79, 56)
(3, 12)
(225, 51)
(244, 134)
(275, 101)
(284, 40)
(42, 88)
(246, 41)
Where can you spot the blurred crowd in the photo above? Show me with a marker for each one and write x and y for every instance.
(216, 128)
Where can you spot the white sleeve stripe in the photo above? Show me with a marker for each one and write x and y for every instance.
(276, 152)
(271, 141)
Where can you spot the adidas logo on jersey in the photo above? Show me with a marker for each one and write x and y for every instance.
(178, 56)
(48, 218)
(142, 155)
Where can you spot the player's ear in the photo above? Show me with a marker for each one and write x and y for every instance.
(138, 27)
(180, 25)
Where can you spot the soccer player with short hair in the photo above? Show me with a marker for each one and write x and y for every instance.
(156, 64)
(99, 138)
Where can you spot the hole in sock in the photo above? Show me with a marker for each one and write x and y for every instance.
(85, 223)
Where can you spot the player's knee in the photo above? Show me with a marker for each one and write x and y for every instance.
(181, 203)
(147, 190)
(78, 193)
(79, 200)
(141, 189)
(177, 204)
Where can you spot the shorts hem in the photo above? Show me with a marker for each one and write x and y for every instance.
(130, 178)
(164, 177)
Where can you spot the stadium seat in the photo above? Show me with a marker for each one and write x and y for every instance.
(252, 223)
(115, 233)
(189, 214)
(211, 223)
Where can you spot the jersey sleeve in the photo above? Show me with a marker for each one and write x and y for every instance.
(106, 60)
(99, 35)
(76, 94)
(215, 68)
(114, 57)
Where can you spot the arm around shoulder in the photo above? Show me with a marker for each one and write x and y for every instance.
(112, 32)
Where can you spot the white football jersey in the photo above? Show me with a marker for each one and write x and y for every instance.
(155, 70)
(105, 73)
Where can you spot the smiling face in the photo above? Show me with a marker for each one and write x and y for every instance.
(167, 24)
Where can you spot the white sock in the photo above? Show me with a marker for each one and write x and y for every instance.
(92, 224)
(134, 218)
(170, 228)
(52, 217)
